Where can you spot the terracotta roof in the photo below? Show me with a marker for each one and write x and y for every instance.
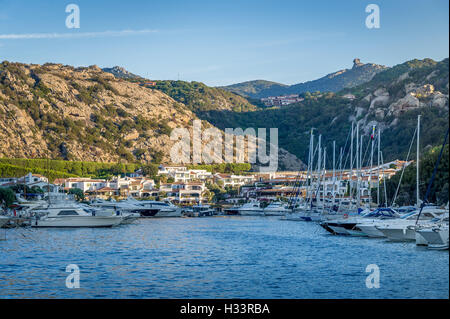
(224, 175)
(104, 190)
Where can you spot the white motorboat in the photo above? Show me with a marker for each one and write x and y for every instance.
(63, 211)
(408, 219)
(406, 230)
(73, 217)
(311, 215)
(154, 208)
(248, 209)
(127, 217)
(276, 209)
(187, 212)
(163, 209)
(349, 225)
(435, 236)
(123, 208)
(199, 211)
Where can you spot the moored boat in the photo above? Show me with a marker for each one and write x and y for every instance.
(73, 217)
(276, 209)
(247, 209)
(349, 226)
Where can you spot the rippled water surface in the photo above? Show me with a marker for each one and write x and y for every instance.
(217, 257)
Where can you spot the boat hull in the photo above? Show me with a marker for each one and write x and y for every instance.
(357, 232)
(434, 237)
(420, 240)
(338, 230)
(371, 231)
(77, 221)
(250, 212)
(273, 213)
(399, 234)
(168, 213)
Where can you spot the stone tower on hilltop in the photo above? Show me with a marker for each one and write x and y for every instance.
(357, 62)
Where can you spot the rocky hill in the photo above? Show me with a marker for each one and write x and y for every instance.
(391, 100)
(200, 97)
(121, 73)
(256, 88)
(87, 114)
(333, 82)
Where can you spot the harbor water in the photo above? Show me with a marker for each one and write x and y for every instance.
(215, 257)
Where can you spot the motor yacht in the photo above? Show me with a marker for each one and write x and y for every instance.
(57, 215)
(307, 215)
(406, 229)
(202, 211)
(435, 237)
(349, 225)
(248, 209)
(123, 208)
(371, 228)
(127, 217)
(160, 208)
(276, 209)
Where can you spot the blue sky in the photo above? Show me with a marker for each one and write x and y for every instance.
(224, 42)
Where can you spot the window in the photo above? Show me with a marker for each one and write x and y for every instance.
(67, 213)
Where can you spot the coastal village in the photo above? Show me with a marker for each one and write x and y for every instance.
(184, 186)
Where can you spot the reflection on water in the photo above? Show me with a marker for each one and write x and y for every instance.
(218, 257)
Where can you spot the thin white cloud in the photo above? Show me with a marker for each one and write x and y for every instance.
(73, 35)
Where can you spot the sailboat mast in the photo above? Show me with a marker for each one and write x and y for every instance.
(323, 178)
(417, 164)
(371, 166)
(311, 168)
(357, 165)
(334, 170)
(319, 163)
(309, 165)
(341, 171)
(360, 167)
(48, 178)
(384, 184)
(378, 156)
(351, 169)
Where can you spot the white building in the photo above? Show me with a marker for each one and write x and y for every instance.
(233, 180)
(184, 193)
(137, 186)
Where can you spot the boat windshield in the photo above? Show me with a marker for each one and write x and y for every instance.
(382, 213)
(68, 213)
(409, 215)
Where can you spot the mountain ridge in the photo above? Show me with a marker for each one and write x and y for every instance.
(332, 82)
(121, 72)
(391, 101)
